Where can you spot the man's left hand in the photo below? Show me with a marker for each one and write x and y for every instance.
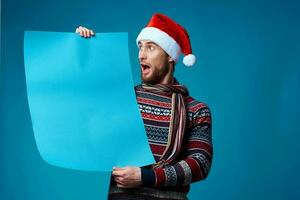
(127, 177)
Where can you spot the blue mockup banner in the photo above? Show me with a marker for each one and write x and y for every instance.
(82, 102)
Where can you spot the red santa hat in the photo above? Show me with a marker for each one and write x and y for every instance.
(170, 36)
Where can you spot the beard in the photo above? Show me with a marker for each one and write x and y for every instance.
(156, 76)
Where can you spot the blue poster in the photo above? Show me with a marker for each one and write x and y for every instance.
(82, 103)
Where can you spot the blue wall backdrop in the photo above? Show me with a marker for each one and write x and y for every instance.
(248, 72)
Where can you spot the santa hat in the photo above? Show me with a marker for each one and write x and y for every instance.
(170, 36)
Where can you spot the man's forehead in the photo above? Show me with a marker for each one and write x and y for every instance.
(147, 42)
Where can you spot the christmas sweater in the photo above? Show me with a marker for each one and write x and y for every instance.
(195, 158)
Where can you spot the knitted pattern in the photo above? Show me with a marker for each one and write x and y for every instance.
(194, 160)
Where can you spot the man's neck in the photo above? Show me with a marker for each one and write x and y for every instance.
(168, 80)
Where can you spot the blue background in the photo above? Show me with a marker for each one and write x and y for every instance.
(248, 73)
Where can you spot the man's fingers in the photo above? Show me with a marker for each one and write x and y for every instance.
(79, 29)
(118, 173)
(119, 180)
(118, 168)
(85, 32)
(88, 32)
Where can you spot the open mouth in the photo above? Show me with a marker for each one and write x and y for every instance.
(145, 68)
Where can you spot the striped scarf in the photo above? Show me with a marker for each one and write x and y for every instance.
(177, 121)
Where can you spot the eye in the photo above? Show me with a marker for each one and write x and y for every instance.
(151, 47)
(140, 47)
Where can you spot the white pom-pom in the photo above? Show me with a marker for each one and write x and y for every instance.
(189, 60)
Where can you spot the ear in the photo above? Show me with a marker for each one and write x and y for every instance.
(172, 65)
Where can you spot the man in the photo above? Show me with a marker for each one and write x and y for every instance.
(178, 127)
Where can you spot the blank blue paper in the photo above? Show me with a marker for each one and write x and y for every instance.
(82, 102)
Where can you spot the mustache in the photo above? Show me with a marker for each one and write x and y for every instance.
(145, 64)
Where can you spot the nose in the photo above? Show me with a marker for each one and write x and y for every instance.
(142, 54)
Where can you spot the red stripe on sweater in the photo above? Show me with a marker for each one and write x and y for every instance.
(197, 107)
(195, 168)
(157, 149)
(160, 177)
(203, 119)
(200, 145)
(156, 117)
(153, 102)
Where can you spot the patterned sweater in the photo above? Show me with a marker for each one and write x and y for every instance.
(196, 156)
(193, 163)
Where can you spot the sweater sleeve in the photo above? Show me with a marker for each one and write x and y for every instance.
(196, 156)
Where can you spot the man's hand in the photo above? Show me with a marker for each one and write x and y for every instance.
(84, 32)
(127, 177)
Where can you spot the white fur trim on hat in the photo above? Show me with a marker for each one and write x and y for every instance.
(162, 39)
(189, 60)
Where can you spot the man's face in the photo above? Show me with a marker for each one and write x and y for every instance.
(154, 62)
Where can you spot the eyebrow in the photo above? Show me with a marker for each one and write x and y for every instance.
(149, 42)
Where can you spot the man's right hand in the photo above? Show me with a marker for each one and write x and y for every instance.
(84, 32)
